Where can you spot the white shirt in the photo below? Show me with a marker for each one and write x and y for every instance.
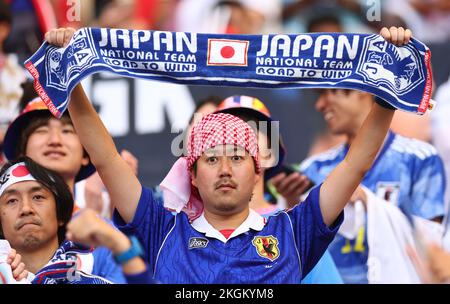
(254, 221)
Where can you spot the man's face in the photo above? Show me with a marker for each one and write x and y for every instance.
(56, 146)
(341, 109)
(28, 216)
(225, 179)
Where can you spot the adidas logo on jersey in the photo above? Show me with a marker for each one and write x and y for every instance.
(198, 242)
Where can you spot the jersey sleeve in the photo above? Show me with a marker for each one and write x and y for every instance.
(325, 272)
(428, 189)
(106, 267)
(312, 235)
(145, 277)
(151, 223)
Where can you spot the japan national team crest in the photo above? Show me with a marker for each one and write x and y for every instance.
(78, 55)
(382, 59)
(267, 247)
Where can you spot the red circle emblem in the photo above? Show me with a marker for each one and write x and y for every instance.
(20, 171)
(227, 52)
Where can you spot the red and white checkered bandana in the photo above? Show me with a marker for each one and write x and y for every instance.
(221, 129)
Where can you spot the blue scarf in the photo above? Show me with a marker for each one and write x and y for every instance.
(399, 75)
(62, 268)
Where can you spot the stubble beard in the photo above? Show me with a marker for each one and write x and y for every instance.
(31, 242)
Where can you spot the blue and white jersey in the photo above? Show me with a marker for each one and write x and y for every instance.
(106, 267)
(325, 271)
(407, 172)
(281, 249)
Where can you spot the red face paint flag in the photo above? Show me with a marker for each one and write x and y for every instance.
(227, 52)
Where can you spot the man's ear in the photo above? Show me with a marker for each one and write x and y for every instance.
(193, 178)
(85, 160)
(258, 177)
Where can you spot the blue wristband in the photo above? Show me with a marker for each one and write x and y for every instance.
(134, 251)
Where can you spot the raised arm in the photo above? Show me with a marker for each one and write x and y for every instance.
(89, 229)
(122, 184)
(345, 178)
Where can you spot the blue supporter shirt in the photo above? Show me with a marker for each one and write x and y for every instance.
(106, 267)
(407, 173)
(325, 271)
(145, 277)
(281, 249)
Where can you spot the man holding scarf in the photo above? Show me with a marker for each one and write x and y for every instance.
(219, 239)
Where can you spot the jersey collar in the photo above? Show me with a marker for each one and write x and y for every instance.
(254, 221)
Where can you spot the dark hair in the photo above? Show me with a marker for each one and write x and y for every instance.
(55, 184)
(39, 119)
(5, 12)
(323, 19)
(345, 91)
(29, 93)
